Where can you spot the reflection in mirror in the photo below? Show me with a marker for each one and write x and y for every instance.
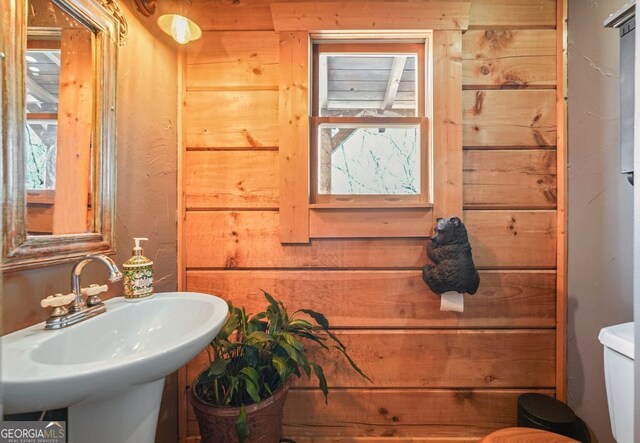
(60, 110)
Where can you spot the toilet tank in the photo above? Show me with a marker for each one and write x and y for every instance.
(618, 373)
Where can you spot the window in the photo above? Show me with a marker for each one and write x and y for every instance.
(41, 135)
(369, 137)
(311, 201)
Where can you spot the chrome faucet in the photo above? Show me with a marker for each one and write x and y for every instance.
(114, 276)
(61, 315)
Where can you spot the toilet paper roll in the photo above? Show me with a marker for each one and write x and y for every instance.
(452, 301)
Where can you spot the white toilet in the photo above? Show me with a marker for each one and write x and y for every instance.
(618, 373)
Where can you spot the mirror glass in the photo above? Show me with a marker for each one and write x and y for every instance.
(60, 115)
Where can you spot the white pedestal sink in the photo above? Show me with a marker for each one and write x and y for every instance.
(109, 370)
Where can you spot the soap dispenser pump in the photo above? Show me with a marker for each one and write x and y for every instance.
(138, 275)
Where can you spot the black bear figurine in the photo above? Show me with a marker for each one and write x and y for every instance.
(450, 252)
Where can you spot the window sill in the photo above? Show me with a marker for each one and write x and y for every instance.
(371, 205)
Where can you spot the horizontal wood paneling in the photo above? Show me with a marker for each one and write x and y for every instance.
(512, 239)
(39, 218)
(434, 359)
(228, 239)
(231, 59)
(400, 412)
(364, 223)
(507, 239)
(256, 14)
(438, 376)
(231, 179)
(244, 119)
(397, 413)
(514, 179)
(389, 298)
(518, 58)
(321, 16)
(513, 14)
(509, 118)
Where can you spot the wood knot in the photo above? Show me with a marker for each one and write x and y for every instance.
(464, 394)
(477, 107)
(230, 263)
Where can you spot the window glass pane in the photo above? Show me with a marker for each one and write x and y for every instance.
(43, 77)
(40, 154)
(368, 160)
(367, 85)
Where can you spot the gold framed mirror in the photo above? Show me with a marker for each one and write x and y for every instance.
(58, 129)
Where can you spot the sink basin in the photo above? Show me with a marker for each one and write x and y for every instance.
(109, 363)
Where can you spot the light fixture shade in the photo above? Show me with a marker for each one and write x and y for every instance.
(180, 28)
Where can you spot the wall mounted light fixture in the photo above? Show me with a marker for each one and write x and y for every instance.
(176, 24)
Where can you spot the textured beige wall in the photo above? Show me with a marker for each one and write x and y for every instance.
(600, 205)
(146, 185)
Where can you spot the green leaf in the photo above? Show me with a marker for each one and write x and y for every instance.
(291, 341)
(353, 364)
(218, 367)
(250, 377)
(281, 366)
(299, 323)
(311, 336)
(242, 427)
(257, 337)
(233, 388)
(291, 351)
(318, 317)
(272, 301)
(230, 325)
(322, 381)
(251, 357)
(342, 347)
(297, 357)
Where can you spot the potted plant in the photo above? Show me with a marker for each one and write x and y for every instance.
(240, 396)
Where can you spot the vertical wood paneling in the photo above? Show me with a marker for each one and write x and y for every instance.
(561, 250)
(294, 137)
(75, 135)
(447, 128)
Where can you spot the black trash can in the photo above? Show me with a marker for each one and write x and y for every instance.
(549, 414)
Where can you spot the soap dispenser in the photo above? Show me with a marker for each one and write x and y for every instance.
(138, 275)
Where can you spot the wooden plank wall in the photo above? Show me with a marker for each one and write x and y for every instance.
(437, 376)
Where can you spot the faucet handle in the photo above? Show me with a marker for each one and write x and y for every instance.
(92, 294)
(94, 290)
(57, 300)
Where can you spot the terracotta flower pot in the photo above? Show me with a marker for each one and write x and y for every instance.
(218, 423)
